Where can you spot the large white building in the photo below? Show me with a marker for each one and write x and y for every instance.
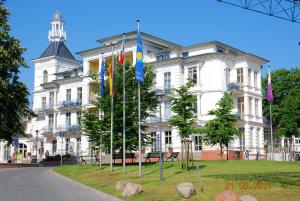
(62, 88)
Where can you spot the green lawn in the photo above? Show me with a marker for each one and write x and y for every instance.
(268, 180)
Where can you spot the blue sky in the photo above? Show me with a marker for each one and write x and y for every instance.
(183, 22)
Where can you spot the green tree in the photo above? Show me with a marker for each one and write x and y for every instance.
(286, 102)
(14, 105)
(184, 119)
(94, 127)
(221, 130)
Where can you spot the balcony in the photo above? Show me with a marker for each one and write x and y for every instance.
(68, 105)
(47, 130)
(233, 86)
(240, 116)
(69, 129)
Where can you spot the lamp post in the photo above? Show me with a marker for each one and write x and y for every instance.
(61, 135)
(160, 96)
(36, 141)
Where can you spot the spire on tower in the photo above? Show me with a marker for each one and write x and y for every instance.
(57, 32)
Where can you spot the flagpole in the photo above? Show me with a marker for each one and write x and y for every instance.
(139, 106)
(271, 128)
(100, 139)
(124, 108)
(112, 110)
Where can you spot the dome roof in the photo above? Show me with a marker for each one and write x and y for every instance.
(57, 17)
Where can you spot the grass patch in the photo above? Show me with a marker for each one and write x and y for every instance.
(283, 179)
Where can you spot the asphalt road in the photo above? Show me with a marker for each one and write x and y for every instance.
(40, 184)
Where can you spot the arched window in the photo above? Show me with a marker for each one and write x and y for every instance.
(45, 76)
(7, 152)
(23, 150)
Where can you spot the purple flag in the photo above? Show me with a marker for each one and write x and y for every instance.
(270, 92)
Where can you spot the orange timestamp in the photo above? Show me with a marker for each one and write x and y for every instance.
(246, 185)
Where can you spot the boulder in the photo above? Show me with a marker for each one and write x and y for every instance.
(186, 190)
(247, 198)
(131, 189)
(120, 185)
(228, 196)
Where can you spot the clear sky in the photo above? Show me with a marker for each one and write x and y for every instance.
(183, 22)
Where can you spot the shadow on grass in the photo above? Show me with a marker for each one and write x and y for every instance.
(282, 178)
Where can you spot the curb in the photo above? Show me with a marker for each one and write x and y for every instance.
(106, 196)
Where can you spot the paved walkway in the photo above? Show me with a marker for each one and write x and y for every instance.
(40, 184)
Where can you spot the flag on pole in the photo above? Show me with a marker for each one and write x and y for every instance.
(121, 57)
(102, 85)
(16, 142)
(139, 66)
(270, 91)
(111, 79)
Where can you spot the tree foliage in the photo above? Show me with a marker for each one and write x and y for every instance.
(184, 119)
(14, 105)
(286, 102)
(95, 127)
(221, 130)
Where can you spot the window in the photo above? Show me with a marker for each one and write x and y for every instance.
(240, 76)
(54, 147)
(7, 152)
(241, 105)
(227, 76)
(250, 105)
(221, 49)
(79, 95)
(242, 139)
(45, 76)
(168, 138)
(185, 54)
(167, 109)
(67, 145)
(256, 108)
(198, 143)
(68, 95)
(78, 118)
(195, 106)
(255, 79)
(68, 119)
(51, 120)
(153, 141)
(163, 57)
(51, 99)
(249, 77)
(167, 80)
(78, 147)
(44, 102)
(192, 74)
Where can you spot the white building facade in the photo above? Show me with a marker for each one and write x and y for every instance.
(62, 88)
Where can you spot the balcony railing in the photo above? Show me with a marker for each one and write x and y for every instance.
(69, 128)
(73, 103)
(233, 86)
(47, 129)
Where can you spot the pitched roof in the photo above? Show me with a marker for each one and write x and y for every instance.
(57, 49)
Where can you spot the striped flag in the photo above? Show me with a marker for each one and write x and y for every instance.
(111, 79)
(102, 84)
(270, 91)
(121, 57)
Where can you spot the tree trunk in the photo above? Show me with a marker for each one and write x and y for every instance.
(227, 151)
(221, 151)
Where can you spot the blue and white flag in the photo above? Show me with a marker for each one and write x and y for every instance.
(102, 84)
(139, 66)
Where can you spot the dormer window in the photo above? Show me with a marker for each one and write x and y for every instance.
(45, 76)
(162, 57)
(185, 54)
(221, 49)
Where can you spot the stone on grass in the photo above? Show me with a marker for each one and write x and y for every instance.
(131, 189)
(227, 196)
(247, 198)
(120, 185)
(186, 190)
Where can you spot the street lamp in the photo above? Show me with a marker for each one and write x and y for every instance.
(160, 96)
(61, 135)
(36, 141)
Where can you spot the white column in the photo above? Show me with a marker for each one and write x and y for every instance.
(245, 76)
(86, 67)
(246, 107)
(258, 80)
